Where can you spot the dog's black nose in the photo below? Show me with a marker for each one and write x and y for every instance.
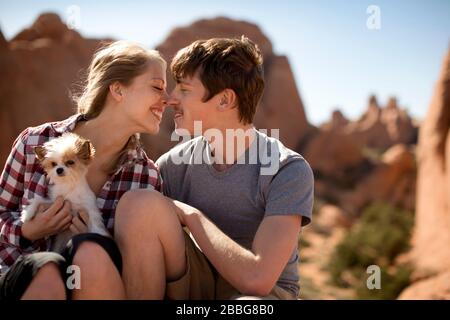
(59, 171)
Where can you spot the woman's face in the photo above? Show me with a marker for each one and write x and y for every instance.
(145, 99)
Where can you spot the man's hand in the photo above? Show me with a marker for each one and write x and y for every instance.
(184, 211)
(49, 220)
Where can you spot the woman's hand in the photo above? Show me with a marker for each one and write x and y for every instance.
(79, 223)
(50, 219)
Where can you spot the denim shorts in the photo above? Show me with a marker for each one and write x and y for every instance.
(16, 280)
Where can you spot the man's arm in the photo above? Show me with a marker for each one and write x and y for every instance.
(255, 271)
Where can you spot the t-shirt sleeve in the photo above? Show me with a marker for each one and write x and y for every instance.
(291, 191)
(162, 165)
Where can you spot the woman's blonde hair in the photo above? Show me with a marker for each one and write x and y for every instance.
(120, 61)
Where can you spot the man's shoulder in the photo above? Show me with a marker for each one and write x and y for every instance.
(284, 155)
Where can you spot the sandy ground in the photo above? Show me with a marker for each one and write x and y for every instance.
(314, 278)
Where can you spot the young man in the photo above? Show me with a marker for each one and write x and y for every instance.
(241, 196)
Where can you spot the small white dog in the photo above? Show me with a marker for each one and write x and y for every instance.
(65, 160)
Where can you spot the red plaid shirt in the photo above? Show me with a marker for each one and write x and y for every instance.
(23, 178)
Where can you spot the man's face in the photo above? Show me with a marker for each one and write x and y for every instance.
(186, 99)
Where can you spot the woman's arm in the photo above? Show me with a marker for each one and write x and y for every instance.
(11, 193)
(12, 183)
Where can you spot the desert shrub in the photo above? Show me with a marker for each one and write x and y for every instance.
(381, 234)
(392, 284)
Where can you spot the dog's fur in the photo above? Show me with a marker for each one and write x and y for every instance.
(65, 160)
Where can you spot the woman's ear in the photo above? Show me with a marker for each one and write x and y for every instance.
(116, 90)
(227, 99)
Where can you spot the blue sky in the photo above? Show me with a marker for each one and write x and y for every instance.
(336, 59)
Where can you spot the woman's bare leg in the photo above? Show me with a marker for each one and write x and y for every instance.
(151, 241)
(98, 274)
(47, 284)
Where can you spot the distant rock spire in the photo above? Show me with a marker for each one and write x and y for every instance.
(392, 103)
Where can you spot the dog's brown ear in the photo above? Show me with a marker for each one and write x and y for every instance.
(86, 151)
(40, 152)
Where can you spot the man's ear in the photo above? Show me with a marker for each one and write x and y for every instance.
(40, 152)
(116, 90)
(227, 99)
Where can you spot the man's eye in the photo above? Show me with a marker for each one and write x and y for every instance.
(158, 88)
(54, 164)
(70, 162)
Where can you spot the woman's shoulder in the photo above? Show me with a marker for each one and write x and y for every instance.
(37, 135)
(31, 137)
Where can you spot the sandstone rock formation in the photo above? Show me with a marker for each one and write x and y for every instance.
(333, 154)
(436, 288)
(381, 128)
(431, 239)
(39, 67)
(348, 161)
(338, 122)
(391, 181)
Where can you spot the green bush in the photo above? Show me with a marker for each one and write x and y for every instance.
(392, 284)
(381, 234)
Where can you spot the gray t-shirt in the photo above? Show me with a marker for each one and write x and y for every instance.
(273, 181)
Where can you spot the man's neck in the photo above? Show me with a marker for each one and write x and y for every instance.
(228, 144)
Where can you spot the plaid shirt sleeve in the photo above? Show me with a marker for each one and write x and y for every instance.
(11, 192)
(152, 176)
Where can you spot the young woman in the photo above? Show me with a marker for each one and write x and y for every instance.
(125, 94)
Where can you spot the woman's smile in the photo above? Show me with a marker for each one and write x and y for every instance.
(157, 113)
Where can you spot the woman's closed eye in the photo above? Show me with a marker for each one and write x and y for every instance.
(158, 88)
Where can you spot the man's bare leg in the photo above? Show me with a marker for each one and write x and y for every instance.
(151, 241)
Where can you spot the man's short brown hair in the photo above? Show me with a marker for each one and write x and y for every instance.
(224, 63)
